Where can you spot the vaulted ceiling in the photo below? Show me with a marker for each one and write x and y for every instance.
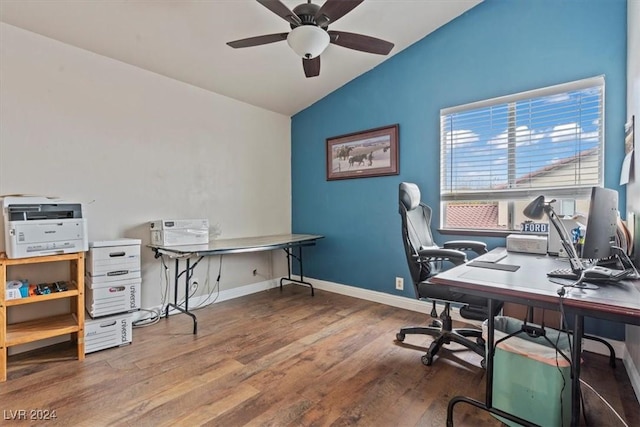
(186, 40)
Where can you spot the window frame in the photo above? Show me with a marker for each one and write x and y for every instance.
(574, 191)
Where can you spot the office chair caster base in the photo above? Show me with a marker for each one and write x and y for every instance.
(400, 337)
(427, 360)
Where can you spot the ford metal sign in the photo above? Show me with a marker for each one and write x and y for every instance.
(535, 227)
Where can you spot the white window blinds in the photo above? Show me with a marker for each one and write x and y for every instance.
(547, 140)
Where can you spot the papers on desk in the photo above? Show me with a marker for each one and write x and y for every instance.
(493, 255)
(494, 266)
(490, 260)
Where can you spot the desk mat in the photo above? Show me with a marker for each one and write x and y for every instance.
(493, 265)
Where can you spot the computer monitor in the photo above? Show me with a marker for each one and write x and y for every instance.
(602, 224)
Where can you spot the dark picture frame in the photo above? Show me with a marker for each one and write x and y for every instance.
(369, 153)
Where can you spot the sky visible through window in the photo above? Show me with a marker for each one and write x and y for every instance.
(500, 146)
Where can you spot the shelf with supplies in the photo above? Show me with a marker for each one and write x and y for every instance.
(46, 327)
(72, 291)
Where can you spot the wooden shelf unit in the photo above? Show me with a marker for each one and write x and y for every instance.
(46, 327)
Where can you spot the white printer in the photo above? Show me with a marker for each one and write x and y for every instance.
(172, 232)
(37, 226)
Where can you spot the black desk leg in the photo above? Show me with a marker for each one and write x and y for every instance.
(185, 310)
(488, 358)
(290, 254)
(578, 332)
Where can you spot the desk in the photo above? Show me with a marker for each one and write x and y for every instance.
(530, 286)
(231, 246)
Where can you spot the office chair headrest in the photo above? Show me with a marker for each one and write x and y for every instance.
(409, 195)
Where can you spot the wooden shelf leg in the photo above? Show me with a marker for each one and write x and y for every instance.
(3, 364)
(3, 323)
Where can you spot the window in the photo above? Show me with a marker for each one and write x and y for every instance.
(498, 155)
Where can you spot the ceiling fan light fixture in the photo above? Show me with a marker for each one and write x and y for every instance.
(308, 41)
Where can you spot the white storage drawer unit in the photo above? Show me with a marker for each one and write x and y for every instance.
(115, 260)
(112, 331)
(102, 299)
(112, 282)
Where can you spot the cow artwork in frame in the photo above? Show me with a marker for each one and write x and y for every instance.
(363, 154)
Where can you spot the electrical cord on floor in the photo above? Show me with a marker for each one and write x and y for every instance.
(155, 314)
(216, 289)
(605, 402)
(165, 291)
(153, 318)
(216, 286)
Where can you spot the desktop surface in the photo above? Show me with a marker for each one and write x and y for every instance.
(242, 244)
(530, 286)
(529, 283)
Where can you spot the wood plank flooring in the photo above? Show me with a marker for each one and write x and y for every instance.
(277, 359)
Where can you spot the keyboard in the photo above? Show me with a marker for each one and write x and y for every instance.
(563, 273)
(592, 274)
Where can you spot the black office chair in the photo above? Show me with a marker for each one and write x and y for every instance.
(426, 259)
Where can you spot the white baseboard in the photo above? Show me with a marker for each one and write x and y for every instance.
(408, 304)
(384, 298)
(224, 295)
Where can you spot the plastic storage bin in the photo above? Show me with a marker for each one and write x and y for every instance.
(531, 379)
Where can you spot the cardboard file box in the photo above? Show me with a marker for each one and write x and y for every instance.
(116, 260)
(102, 299)
(108, 332)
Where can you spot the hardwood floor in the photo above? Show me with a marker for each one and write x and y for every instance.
(278, 359)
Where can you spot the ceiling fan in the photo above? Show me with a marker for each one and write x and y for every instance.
(310, 36)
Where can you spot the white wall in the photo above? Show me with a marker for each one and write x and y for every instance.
(632, 338)
(136, 146)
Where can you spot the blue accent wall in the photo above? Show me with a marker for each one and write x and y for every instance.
(498, 48)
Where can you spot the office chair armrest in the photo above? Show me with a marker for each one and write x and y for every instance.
(467, 245)
(438, 254)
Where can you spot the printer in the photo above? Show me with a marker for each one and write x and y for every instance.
(38, 226)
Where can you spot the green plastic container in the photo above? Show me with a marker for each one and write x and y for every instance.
(530, 379)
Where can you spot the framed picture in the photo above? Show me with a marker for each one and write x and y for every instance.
(369, 153)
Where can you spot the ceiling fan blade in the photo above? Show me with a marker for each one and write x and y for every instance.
(258, 40)
(332, 10)
(311, 66)
(360, 42)
(277, 7)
